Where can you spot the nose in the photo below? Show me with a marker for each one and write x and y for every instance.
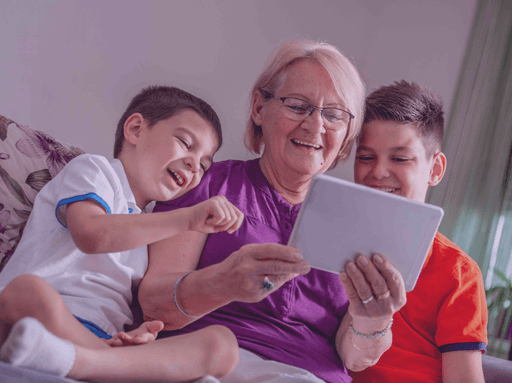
(380, 170)
(314, 122)
(192, 163)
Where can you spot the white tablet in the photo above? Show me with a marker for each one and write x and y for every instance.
(339, 220)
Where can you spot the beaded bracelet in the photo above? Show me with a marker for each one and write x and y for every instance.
(176, 299)
(377, 335)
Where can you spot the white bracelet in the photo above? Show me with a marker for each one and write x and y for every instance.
(176, 299)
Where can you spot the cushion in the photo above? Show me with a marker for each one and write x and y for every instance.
(28, 160)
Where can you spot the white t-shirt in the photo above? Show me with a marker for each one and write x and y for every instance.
(95, 287)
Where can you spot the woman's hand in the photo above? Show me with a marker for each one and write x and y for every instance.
(376, 291)
(244, 272)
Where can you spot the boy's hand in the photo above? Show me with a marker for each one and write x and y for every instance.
(214, 215)
(146, 333)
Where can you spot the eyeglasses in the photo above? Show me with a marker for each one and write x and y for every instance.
(297, 109)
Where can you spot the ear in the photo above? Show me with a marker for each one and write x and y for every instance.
(258, 102)
(133, 127)
(438, 168)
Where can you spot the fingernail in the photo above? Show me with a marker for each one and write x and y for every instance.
(378, 259)
(343, 277)
(297, 255)
(362, 259)
(352, 267)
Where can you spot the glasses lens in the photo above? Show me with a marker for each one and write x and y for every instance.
(297, 109)
(336, 116)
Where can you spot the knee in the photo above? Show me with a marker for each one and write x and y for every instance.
(27, 295)
(221, 349)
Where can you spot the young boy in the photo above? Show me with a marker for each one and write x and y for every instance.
(68, 288)
(440, 333)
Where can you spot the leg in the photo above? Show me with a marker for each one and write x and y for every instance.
(210, 351)
(31, 296)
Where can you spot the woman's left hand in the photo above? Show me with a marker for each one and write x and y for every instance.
(375, 290)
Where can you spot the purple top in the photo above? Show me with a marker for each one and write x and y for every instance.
(295, 324)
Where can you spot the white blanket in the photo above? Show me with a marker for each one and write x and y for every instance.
(253, 369)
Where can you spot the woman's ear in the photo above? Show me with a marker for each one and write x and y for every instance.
(438, 168)
(133, 127)
(258, 102)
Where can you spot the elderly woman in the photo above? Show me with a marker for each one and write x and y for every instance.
(305, 112)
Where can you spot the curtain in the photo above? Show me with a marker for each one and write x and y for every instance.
(476, 192)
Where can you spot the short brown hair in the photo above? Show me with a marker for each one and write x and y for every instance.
(409, 103)
(344, 75)
(157, 103)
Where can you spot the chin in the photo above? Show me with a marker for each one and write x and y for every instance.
(308, 169)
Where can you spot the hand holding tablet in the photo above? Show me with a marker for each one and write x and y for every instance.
(340, 220)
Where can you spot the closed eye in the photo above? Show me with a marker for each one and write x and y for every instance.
(184, 142)
(364, 158)
(332, 117)
(400, 159)
(297, 109)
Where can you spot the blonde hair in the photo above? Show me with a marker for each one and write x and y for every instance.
(344, 76)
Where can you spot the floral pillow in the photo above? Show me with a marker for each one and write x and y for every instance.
(28, 160)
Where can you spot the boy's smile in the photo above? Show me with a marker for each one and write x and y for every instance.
(391, 157)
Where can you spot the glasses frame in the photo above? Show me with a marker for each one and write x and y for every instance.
(268, 95)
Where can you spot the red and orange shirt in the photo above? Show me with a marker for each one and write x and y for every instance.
(446, 311)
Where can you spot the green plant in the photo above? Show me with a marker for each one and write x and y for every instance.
(499, 307)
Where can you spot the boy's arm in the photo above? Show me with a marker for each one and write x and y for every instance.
(94, 231)
(463, 367)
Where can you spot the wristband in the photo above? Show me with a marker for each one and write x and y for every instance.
(176, 299)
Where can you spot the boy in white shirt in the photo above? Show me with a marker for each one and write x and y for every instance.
(68, 287)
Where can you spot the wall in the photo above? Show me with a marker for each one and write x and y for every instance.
(70, 68)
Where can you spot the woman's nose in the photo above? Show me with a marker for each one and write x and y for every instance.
(314, 122)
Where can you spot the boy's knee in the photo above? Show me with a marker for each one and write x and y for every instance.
(221, 349)
(27, 295)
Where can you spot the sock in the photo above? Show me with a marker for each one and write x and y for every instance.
(30, 344)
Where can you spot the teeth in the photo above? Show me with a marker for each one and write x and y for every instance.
(306, 144)
(177, 177)
(387, 190)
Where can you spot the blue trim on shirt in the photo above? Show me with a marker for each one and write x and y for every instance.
(463, 347)
(94, 328)
(82, 197)
(130, 210)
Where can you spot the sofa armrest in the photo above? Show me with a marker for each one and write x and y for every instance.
(496, 370)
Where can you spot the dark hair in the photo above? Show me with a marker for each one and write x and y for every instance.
(409, 103)
(157, 103)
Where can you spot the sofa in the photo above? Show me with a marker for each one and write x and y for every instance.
(28, 160)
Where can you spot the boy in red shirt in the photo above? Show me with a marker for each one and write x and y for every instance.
(440, 334)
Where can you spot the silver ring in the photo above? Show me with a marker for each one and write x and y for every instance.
(384, 296)
(267, 285)
(367, 300)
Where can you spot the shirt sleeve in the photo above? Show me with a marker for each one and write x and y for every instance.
(462, 318)
(85, 177)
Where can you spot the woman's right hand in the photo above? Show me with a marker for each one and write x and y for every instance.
(243, 273)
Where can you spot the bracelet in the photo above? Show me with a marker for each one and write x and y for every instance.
(176, 299)
(363, 349)
(376, 335)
